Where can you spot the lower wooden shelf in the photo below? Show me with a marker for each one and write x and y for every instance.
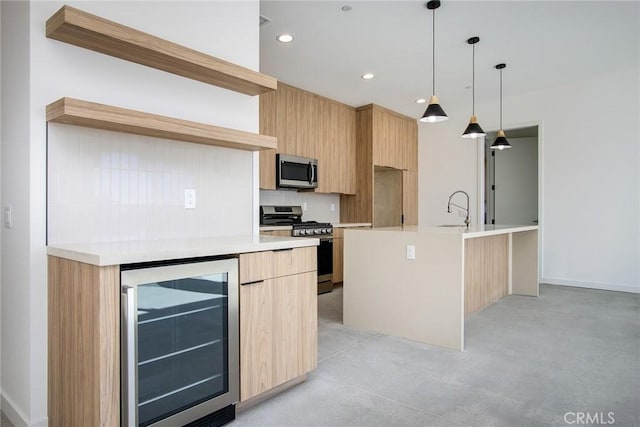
(99, 116)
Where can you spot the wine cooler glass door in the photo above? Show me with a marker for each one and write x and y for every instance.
(183, 328)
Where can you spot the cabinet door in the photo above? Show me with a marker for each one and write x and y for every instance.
(295, 331)
(338, 262)
(325, 146)
(346, 150)
(256, 338)
(268, 126)
(278, 331)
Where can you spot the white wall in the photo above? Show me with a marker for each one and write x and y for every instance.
(590, 179)
(16, 257)
(41, 70)
(318, 205)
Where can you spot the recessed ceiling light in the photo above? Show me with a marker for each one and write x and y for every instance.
(285, 38)
(346, 8)
(368, 76)
(421, 101)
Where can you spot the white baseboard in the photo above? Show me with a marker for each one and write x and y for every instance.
(591, 285)
(15, 415)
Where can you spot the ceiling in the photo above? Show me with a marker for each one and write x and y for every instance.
(543, 43)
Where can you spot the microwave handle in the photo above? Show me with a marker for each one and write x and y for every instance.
(310, 173)
(129, 374)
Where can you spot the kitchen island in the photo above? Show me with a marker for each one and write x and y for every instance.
(421, 282)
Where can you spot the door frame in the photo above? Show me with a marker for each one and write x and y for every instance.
(481, 190)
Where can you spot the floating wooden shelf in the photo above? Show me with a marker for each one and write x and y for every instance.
(82, 29)
(89, 114)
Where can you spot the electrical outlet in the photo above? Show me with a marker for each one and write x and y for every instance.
(462, 214)
(189, 198)
(411, 252)
(333, 207)
(304, 206)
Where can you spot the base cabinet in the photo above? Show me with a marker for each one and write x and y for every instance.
(278, 318)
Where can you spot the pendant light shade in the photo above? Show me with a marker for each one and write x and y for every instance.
(501, 141)
(473, 130)
(434, 112)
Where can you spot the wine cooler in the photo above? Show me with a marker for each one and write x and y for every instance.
(179, 343)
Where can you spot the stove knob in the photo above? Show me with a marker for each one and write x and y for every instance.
(317, 231)
(326, 231)
(308, 232)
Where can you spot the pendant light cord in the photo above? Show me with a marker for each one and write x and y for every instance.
(433, 55)
(473, 80)
(500, 98)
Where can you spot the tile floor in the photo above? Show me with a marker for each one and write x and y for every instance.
(528, 362)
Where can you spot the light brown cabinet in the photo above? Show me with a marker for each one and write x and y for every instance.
(309, 125)
(386, 140)
(278, 318)
(84, 344)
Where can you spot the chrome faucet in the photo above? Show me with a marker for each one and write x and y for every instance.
(467, 221)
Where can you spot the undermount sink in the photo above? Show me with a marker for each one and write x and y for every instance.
(452, 225)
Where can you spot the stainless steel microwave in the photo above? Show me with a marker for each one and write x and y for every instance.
(296, 172)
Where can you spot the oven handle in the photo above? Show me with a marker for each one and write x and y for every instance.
(326, 239)
(129, 356)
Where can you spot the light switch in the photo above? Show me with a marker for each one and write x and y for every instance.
(7, 221)
(411, 252)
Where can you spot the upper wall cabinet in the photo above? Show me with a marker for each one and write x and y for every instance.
(309, 125)
(83, 29)
(386, 140)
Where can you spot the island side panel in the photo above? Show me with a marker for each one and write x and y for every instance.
(486, 271)
(524, 263)
(84, 344)
(419, 299)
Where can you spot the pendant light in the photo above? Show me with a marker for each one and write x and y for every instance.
(434, 112)
(501, 141)
(473, 130)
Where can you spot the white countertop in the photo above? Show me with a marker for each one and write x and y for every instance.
(466, 233)
(351, 224)
(116, 253)
(275, 227)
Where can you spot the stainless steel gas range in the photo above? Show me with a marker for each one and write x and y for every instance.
(292, 216)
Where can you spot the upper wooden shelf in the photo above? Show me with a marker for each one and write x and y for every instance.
(89, 114)
(83, 29)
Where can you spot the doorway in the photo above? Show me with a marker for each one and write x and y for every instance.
(511, 178)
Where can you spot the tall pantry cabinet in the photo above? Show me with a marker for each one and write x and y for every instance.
(386, 146)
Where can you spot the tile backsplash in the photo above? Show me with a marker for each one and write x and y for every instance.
(318, 205)
(109, 186)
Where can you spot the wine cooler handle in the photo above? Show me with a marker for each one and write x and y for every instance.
(128, 359)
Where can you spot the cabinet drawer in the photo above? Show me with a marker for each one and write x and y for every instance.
(269, 264)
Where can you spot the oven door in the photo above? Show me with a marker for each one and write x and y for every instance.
(325, 265)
